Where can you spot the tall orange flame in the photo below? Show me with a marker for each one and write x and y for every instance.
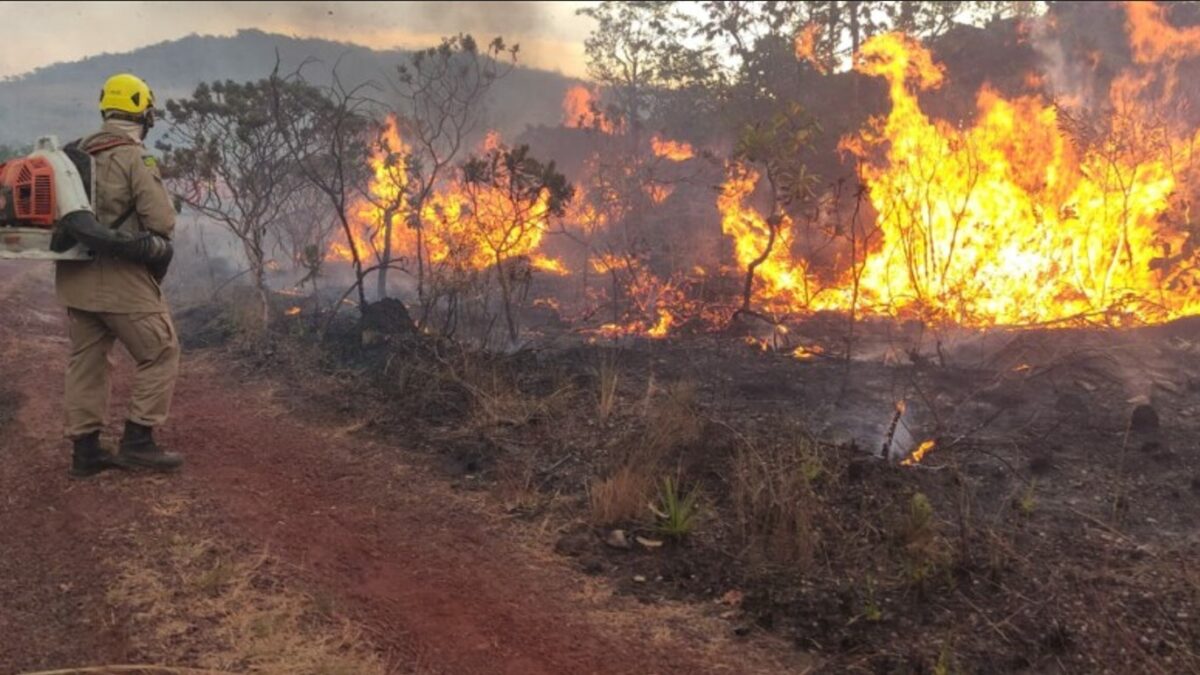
(385, 198)
(467, 228)
(805, 46)
(1006, 221)
(581, 108)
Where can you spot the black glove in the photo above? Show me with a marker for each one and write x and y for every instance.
(146, 248)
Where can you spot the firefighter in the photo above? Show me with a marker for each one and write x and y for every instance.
(114, 299)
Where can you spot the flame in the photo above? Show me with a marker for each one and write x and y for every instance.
(782, 281)
(469, 229)
(806, 46)
(581, 110)
(676, 151)
(805, 353)
(655, 305)
(549, 265)
(1153, 39)
(658, 193)
(1005, 221)
(663, 327)
(465, 227)
(385, 197)
(918, 454)
(1029, 213)
(292, 311)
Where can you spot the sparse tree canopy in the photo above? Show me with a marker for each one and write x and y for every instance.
(442, 93)
(512, 198)
(325, 132)
(225, 157)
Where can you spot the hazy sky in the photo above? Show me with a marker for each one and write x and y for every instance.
(41, 33)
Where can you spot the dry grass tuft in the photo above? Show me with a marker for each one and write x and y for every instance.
(608, 377)
(200, 603)
(774, 500)
(498, 401)
(670, 422)
(620, 497)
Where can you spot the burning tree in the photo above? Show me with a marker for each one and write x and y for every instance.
(764, 245)
(511, 198)
(441, 93)
(387, 195)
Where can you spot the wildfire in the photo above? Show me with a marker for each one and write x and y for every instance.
(1031, 213)
(655, 305)
(806, 46)
(676, 151)
(581, 109)
(384, 200)
(658, 193)
(805, 353)
(782, 281)
(465, 227)
(1007, 221)
(918, 454)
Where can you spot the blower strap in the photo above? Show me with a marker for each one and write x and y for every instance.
(107, 142)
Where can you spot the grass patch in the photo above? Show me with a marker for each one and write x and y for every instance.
(774, 500)
(200, 603)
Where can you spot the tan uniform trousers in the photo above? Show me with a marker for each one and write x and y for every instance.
(149, 338)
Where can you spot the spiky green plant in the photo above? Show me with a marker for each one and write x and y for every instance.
(677, 514)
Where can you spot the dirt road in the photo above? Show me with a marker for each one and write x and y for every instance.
(286, 543)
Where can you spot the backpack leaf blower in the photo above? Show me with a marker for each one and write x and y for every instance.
(46, 213)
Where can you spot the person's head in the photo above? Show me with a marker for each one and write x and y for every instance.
(128, 97)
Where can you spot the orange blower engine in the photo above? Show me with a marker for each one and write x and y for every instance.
(38, 194)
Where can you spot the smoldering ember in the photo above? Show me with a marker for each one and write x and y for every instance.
(797, 337)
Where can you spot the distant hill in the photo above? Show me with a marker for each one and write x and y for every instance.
(61, 98)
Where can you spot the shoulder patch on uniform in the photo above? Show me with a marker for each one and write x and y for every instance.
(149, 161)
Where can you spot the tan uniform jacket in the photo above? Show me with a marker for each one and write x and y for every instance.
(124, 175)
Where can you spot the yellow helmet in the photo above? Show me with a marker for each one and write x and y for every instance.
(125, 93)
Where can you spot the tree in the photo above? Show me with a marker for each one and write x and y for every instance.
(8, 152)
(225, 158)
(779, 147)
(325, 131)
(512, 196)
(388, 194)
(637, 50)
(441, 93)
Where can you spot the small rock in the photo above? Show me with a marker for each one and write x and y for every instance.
(617, 539)
(1144, 418)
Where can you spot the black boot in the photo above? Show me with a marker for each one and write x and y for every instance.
(88, 458)
(139, 451)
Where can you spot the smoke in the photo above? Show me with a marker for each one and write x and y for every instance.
(551, 35)
(1071, 82)
(480, 18)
